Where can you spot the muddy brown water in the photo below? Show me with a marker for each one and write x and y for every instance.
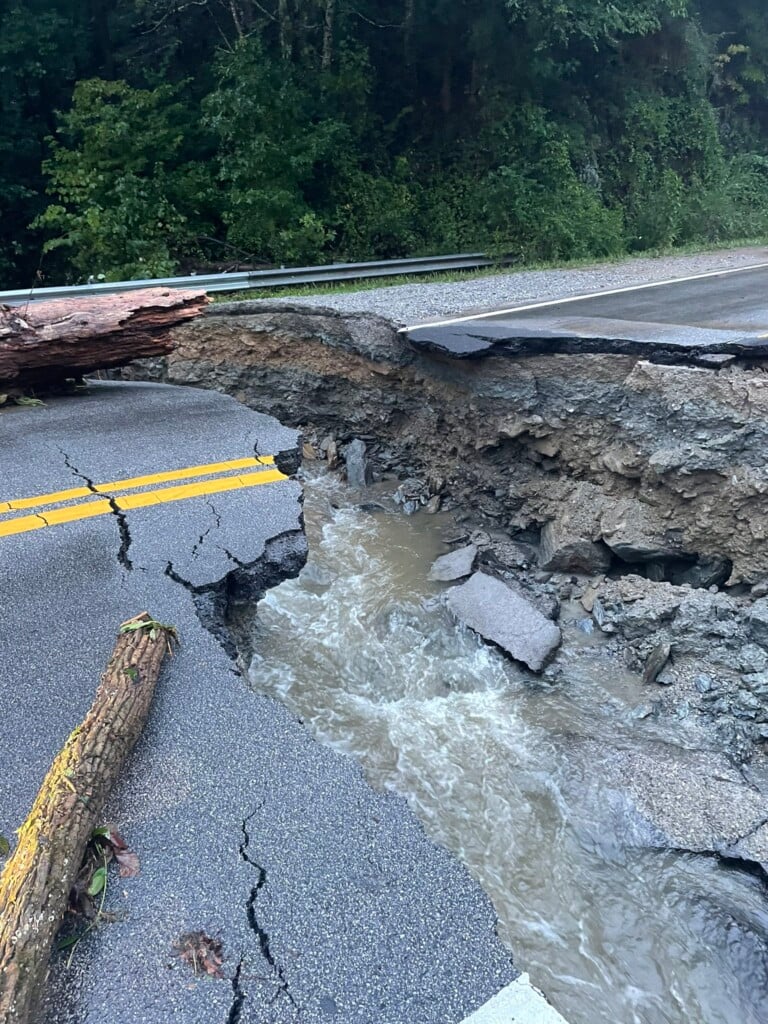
(361, 648)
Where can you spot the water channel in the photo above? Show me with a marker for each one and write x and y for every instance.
(362, 650)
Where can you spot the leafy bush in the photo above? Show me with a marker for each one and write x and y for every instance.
(123, 188)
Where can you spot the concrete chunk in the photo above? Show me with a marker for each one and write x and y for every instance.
(501, 615)
(455, 565)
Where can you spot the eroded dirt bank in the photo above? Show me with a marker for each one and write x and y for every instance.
(606, 487)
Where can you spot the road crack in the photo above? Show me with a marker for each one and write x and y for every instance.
(123, 555)
(262, 935)
(238, 995)
(215, 525)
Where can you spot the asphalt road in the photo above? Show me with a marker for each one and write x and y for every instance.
(714, 314)
(328, 898)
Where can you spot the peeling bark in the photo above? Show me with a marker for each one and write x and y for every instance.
(36, 881)
(47, 342)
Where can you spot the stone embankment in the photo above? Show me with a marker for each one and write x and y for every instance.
(634, 490)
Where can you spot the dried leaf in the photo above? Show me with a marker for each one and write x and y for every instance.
(129, 863)
(114, 839)
(202, 953)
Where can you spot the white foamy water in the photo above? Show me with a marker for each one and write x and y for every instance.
(360, 648)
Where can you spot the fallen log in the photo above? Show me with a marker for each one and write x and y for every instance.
(35, 883)
(47, 342)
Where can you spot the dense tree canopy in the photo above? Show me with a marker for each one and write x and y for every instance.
(145, 137)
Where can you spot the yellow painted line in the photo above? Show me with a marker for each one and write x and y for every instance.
(90, 509)
(116, 487)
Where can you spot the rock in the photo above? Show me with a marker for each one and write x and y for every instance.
(598, 612)
(564, 549)
(315, 578)
(666, 677)
(633, 533)
(480, 538)
(412, 494)
(455, 565)
(703, 683)
(706, 573)
(657, 659)
(359, 473)
(502, 554)
(647, 710)
(590, 594)
(758, 620)
(433, 505)
(688, 799)
(504, 617)
(331, 450)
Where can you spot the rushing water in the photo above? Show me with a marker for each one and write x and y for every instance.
(610, 934)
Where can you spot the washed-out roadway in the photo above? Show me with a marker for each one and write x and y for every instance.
(329, 900)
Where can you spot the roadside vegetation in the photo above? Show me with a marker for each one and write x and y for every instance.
(150, 137)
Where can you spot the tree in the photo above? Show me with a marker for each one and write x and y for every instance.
(131, 201)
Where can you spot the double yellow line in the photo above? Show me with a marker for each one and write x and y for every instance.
(265, 473)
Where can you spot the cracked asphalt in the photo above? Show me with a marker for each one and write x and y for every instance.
(328, 899)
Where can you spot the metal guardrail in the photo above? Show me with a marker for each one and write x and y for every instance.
(281, 278)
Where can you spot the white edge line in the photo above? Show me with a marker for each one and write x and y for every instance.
(588, 295)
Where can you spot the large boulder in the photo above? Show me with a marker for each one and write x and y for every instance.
(566, 549)
(634, 532)
(504, 617)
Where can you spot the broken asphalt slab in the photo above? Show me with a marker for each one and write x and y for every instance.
(506, 618)
(542, 335)
(328, 898)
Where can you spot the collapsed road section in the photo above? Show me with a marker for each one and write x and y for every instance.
(635, 488)
(275, 884)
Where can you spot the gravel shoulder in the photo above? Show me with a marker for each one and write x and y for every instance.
(409, 304)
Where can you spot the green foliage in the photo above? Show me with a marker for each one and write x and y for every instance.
(596, 20)
(125, 191)
(276, 149)
(216, 134)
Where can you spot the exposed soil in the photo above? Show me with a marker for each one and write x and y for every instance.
(633, 491)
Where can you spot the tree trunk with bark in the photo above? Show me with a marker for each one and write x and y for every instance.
(36, 882)
(47, 342)
(328, 29)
